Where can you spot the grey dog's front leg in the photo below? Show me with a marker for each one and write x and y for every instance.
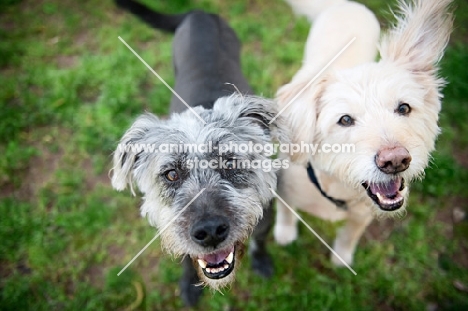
(261, 260)
(189, 292)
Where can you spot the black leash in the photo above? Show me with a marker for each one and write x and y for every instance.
(314, 180)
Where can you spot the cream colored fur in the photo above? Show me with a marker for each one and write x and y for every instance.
(369, 92)
(311, 8)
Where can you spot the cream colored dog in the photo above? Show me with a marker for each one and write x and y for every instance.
(388, 110)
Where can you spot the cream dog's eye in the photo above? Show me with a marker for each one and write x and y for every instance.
(403, 109)
(346, 121)
(171, 175)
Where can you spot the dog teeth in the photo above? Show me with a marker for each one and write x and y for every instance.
(202, 263)
(384, 200)
(216, 270)
(230, 257)
(213, 270)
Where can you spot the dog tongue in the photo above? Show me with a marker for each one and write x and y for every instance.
(388, 189)
(217, 257)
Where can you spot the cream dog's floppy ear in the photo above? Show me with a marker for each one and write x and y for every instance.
(298, 104)
(420, 36)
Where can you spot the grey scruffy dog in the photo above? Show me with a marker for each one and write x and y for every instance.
(234, 203)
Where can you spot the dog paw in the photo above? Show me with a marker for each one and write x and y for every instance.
(190, 293)
(346, 255)
(262, 264)
(285, 234)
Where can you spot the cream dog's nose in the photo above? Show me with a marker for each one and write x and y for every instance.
(393, 160)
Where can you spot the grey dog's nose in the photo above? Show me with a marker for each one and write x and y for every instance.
(393, 160)
(210, 231)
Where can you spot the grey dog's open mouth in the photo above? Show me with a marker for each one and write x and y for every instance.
(386, 195)
(219, 264)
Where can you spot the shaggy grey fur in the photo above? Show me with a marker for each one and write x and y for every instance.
(234, 202)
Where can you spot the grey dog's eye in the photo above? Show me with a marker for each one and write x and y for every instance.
(230, 164)
(171, 175)
(346, 121)
(403, 109)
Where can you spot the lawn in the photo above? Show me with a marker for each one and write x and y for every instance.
(69, 89)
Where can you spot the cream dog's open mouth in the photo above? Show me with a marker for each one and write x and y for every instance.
(387, 195)
(219, 264)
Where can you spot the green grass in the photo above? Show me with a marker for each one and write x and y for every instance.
(70, 88)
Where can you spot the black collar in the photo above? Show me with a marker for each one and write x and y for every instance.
(314, 180)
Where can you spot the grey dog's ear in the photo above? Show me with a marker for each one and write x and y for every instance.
(127, 152)
(241, 111)
(264, 112)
